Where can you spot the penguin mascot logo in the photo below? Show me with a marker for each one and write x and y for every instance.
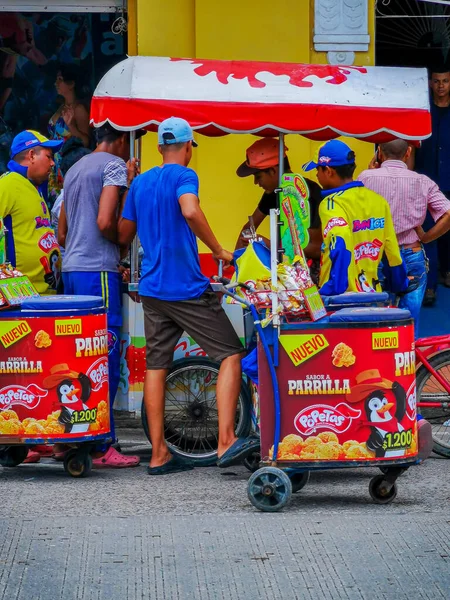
(73, 391)
(385, 409)
(363, 285)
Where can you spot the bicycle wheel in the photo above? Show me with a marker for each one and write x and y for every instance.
(430, 390)
(191, 420)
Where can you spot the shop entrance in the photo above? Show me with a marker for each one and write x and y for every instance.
(90, 38)
(412, 33)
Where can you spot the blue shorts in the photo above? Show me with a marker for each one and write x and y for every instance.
(106, 284)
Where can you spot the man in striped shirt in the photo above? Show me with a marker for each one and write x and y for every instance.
(409, 196)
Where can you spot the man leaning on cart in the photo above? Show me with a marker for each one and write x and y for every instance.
(357, 228)
(163, 206)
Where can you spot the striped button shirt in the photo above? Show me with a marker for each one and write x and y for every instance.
(409, 194)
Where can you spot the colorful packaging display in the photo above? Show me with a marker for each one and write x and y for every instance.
(54, 377)
(347, 394)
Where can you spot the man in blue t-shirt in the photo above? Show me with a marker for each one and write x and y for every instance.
(163, 206)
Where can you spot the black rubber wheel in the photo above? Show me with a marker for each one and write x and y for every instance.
(430, 390)
(379, 492)
(77, 464)
(298, 481)
(252, 462)
(191, 419)
(269, 489)
(12, 456)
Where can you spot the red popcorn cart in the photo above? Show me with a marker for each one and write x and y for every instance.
(54, 378)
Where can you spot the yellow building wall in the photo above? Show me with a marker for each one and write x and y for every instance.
(233, 30)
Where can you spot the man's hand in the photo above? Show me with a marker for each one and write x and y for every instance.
(223, 255)
(133, 170)
(420, 232)
(374, 164)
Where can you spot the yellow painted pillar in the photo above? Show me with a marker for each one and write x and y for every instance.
(234, 30)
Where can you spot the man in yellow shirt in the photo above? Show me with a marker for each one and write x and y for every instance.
(357, 228)
(31, 244)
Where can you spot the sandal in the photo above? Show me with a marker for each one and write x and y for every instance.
(238, 451)
(114, 460)
(174, 465)
(32, 457)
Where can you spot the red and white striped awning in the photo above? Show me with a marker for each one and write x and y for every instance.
(219, 97)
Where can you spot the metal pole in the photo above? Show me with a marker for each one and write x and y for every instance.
(134, 250)
(274, 217)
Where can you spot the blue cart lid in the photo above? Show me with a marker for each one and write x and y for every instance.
(370, 315)
(356, 298)
(56, 303)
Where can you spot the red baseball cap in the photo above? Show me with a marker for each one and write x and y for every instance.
(263, 154)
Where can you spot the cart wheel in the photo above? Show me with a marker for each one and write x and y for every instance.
(299, 480)
(252, 461)
(381, 491)
(77, 464)
(12, 456)
(269, 489)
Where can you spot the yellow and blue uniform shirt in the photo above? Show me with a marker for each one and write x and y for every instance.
(31, 243)
(357, 230)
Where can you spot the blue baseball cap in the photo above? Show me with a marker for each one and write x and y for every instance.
(30, 139)
(175, 131)
(332, 154)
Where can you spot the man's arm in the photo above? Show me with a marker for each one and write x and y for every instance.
(313, 249)
(258, 217)
(107, 212)
(62, 227)
(439, 208)
(191, 211)
(126, 231)
(438, 229)
(111, 204)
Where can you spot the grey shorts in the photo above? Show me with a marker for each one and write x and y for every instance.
(203, 319)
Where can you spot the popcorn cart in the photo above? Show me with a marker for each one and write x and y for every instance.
(54, 379)
(336, 386)
(53, 371)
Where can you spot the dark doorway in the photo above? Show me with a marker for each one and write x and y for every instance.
(411, 33)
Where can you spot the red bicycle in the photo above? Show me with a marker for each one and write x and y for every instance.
(433, 388)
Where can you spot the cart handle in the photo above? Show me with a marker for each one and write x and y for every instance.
(227, 286)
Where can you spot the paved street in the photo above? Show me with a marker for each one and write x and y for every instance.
(126, 536)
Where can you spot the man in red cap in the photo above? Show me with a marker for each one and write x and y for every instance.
(262, 162)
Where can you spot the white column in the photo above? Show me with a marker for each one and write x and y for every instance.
(341, 28)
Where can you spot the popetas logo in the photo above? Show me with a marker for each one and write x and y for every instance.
(98, 373)
(48, 241)
(321, 416)
(411, 411)
(18, 395)
(370, 250)
(334, 222)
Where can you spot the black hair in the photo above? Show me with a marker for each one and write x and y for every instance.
(107, 133)
(20, 156)
(71, 74)
(438, 69)
(345, 171)
(71, 153)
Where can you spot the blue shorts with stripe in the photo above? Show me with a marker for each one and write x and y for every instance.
(104, 283)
